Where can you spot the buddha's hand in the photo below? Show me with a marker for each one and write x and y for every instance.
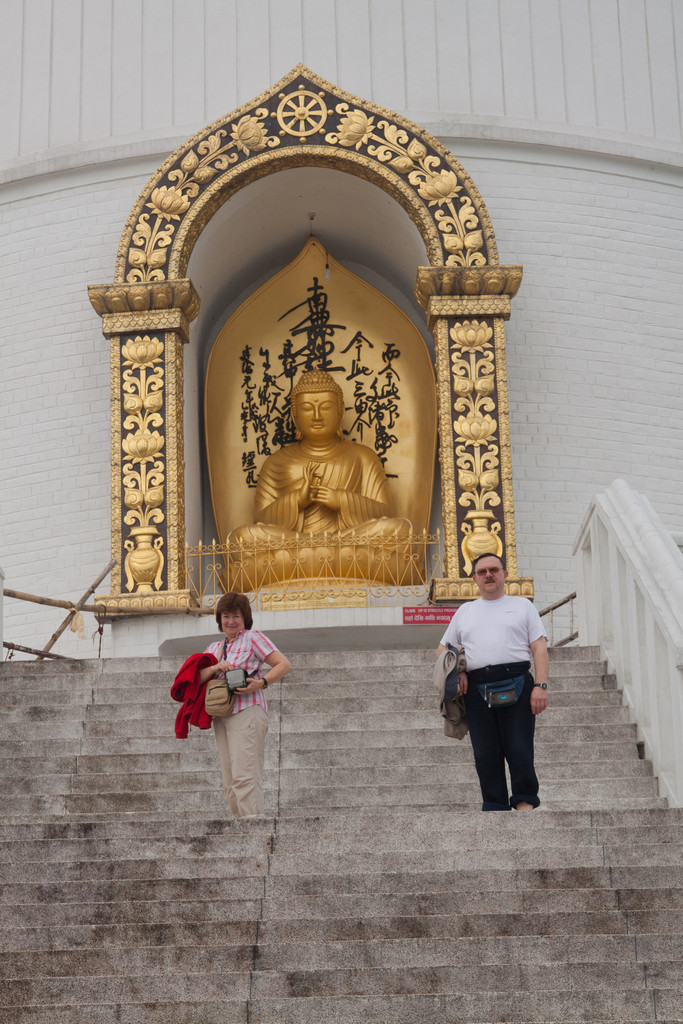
(304, 496)
(327, 496)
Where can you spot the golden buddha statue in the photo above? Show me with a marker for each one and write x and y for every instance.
(323, 505)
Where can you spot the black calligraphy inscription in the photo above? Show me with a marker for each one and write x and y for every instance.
(265, 416)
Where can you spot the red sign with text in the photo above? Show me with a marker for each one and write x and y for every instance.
(429, 616)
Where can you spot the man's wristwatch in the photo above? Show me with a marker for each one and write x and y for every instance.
(544, 686)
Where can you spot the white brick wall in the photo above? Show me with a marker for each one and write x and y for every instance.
(55, 425)
(593, 346)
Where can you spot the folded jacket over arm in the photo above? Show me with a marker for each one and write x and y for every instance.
(449, 663)
(189, 690)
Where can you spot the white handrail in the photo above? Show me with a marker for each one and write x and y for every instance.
(2, 580)
(629, 573)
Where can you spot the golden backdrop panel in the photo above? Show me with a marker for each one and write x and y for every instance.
(315, 314)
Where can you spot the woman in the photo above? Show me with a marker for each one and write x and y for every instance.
(241, 735)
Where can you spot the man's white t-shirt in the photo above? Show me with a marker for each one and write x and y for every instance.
(495, 632)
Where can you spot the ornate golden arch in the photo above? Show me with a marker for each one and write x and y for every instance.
(304, 121)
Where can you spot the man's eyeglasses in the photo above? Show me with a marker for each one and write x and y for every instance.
(485, 572)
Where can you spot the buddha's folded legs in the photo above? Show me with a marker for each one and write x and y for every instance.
(379, 551)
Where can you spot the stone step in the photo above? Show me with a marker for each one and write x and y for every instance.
(351, 1010)
(369, 720)
(131, 995)
(189, 927)
(228, 866)
(200, 778)
(593, 1006)
(294, 689)
(61, 728)
(383, 700)
(57, 896)
(496, 860)
(205, 759)
(129, 894)
(224, 1011)
(345, 830)
(450, 752)
(575, 723)
(295, 700)
(474, 821)
(157, 828)
(197, 803)
(372, 835)
(303, 672)
(131, 671)
(322, 659)
(196, 932)
(380, 822)
(396, 773)
(430, 951)
(570, 689)
(356, 697)
(420, 736)
(75, 850)
(197, 810)
(203, 797)
(140, 739)
(646, 878)
(268, 984)
(204, 904)
(116, 961)
(595, 802)
(376, 837)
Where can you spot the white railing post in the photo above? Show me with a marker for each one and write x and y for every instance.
(630, 584)
(2, 584)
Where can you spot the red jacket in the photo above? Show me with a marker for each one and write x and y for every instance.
(188, 688)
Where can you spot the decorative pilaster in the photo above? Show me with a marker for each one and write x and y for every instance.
(147, 325)
(466, 308)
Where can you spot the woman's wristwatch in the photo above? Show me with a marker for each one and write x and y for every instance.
(265, 682)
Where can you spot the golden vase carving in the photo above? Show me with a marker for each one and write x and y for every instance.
(144, 560)
(481, 536)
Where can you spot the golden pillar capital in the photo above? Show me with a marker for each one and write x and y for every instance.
(466, 308)
(148, 325)
(466, 291)
(467, 281)
(161, 305)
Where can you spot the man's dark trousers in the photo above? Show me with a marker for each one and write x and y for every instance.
(499, 735)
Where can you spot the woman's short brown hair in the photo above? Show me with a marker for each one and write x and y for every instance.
(233, 602)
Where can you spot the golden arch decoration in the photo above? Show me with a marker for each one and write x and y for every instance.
(303, 120)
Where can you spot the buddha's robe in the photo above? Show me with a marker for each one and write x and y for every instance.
(351, 468)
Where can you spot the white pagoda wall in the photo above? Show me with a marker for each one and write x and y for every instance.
(567, 115)
(78, 73)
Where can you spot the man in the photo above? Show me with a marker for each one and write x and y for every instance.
(500, 634)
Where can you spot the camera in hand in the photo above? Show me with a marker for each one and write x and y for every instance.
(234, 678)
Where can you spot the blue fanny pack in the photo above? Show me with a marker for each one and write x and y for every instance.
(502, 694)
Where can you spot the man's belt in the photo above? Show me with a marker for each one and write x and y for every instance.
(496, 673)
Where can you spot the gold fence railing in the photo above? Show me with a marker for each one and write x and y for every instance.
(316, 571)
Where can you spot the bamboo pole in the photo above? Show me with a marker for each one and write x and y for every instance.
(51, 601)
(32, 650)
(76, 608)
(117, 613)
(101, 609)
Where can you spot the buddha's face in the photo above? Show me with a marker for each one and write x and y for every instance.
(317, 415)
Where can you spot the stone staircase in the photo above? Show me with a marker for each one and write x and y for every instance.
(374, 890)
